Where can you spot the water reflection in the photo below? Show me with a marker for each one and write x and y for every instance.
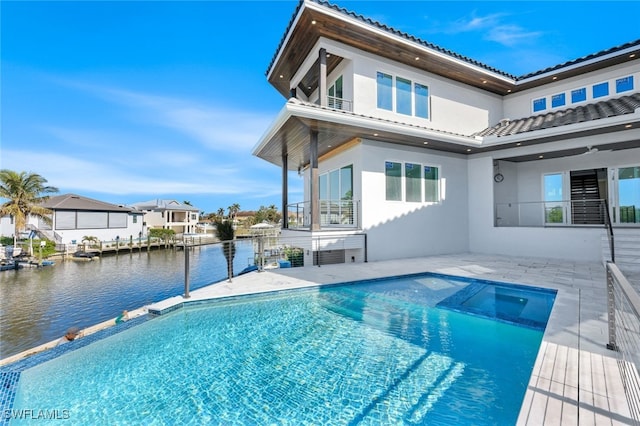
(38, 305)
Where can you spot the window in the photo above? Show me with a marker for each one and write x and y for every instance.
(421, 101)
(336, 195)
(629, 194)
(393, 181)
(385, 92)
(431, 184)
(553, 209)
(335, 94)
(413, 185)
(135, 218)
(557, 100)
(403, 96)
(579, 95)
(539, 104)
(624, 84)
(601, 89)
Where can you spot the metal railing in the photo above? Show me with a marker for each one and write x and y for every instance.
(623, 306)
(333, 214)
(339, 103)
(551, 213)
(610, 238)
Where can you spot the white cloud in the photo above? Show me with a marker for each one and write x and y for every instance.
(219, 128)
(76, 175)
(492, 27)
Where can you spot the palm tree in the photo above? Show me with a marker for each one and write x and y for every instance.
(25, 193)
(220, 213)
(226, 234)
(233, 210)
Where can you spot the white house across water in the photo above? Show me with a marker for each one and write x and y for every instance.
(408, 149)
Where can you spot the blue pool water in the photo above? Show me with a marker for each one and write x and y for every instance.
(374, 353)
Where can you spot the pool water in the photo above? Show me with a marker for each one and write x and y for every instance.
(374, 353)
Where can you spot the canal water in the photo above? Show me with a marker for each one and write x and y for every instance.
(38, 305)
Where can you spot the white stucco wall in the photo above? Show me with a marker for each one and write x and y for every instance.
(453, 106)
(523, 183)
(398, 229)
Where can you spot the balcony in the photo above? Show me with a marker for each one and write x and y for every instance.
(334, 214)
(339, 103)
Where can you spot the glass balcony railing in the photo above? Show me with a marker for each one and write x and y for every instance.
(551, 213)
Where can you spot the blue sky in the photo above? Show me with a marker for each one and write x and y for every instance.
(131, 101)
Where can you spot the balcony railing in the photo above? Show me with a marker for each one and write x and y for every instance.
(333, 214)
(551, 213)
(339, 103)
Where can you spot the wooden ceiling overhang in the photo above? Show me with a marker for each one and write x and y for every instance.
(313, 21)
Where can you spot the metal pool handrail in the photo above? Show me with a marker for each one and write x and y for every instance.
(624, 333)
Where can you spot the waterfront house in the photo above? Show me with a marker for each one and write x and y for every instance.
(169, 214)
(408, 149)
(75, 217)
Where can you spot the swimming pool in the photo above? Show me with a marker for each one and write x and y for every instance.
(377, 352)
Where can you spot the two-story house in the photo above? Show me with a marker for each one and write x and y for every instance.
(169, 214)
(429, 152)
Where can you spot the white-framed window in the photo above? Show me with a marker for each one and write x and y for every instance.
(402, 95)
(558, 100)
(624, 84)
(336, 196)
(579, 95)
(600, 90)
(539, 104)
(335, 94)
(421, 182)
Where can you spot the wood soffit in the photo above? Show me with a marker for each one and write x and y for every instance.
(385, 44)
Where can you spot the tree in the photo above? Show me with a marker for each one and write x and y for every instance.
(220, 214)
(226, 234)
(25, 193)
(188, 203)
(233, 210)
(267, 214)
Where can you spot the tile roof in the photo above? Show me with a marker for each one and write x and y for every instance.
(78, 202)
(603, 109)
(448, 52)
(159, 204)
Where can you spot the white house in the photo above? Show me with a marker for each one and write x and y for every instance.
(169, 214)
(428, 152)
(75, 217)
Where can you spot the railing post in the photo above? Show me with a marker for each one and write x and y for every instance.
(186, 270)
(611, 311)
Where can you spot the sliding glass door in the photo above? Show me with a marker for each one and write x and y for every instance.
(625, 202)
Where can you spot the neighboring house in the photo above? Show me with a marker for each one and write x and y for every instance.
(7, 226)
(169, 214)
(429, 152)
(75, 217)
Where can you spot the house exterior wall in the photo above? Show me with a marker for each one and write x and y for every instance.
(453, 106)
(132, 230)
(520, 104)
(413, 228)
(7, 227)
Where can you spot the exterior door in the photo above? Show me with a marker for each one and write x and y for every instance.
(624, 185)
